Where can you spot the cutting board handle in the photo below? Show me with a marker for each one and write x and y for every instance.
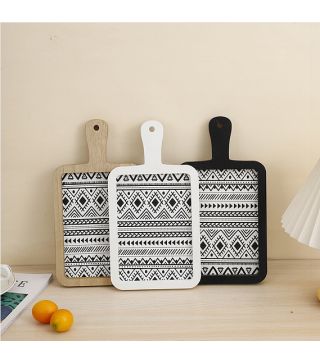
(220, 131)
(152, 135)
(97, 134)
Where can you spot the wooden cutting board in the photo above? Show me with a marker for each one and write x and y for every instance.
(232, 194)
(81, 214)
(154, 221)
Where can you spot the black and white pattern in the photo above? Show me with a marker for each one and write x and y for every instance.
(154, 227)
(86, 224)
(229, 243)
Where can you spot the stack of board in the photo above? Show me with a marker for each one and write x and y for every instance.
(158, 226)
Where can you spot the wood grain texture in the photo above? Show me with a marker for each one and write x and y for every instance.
(96, 134)
(283, 307)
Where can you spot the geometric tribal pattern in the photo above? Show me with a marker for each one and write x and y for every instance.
(229, 243)
(154, 227)
(86, 224)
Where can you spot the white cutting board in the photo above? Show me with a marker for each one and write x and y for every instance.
(154, 221)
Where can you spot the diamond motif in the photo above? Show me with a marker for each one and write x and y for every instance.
(137, 202)
(229, 218)
(172, 202)
(203, 245)
(100, 200)
(237, 246)
(120, 203)
(254, 245)
(220, 245)
(155, 202)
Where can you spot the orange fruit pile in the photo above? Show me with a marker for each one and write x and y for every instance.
(47, 311)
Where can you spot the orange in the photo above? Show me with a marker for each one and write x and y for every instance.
(61, 320)
(43, 310)
(318, 293)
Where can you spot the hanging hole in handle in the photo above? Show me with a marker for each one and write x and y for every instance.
(96, 127)
(151, 129)
(220, 124)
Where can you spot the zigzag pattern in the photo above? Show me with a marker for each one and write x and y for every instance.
(154, 178)
(153, 224)
(151, 274)
(83, 177)
(154, 221)
(231, 187)
(228, 270)
(88, 259)
(87, 271)
(228, 175)
(162, 215)
(229, 240)
(86, 224)
(154, 262)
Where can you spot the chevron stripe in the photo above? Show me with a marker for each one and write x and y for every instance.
(149, 274)
(145, 224)
(154, 262)
(73, 271)
(88, 259)
(228, 175)
(228, 188)
(154, 178)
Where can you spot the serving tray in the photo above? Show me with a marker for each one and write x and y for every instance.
(154, 221)
(232, 194)
(81, 213)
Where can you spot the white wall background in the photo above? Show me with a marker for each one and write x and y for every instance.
(55, 77)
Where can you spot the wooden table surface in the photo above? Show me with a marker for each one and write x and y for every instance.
(283, 307)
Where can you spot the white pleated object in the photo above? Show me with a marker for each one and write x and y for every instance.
(302, 218)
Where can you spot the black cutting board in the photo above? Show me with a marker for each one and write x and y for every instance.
(232, 197)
